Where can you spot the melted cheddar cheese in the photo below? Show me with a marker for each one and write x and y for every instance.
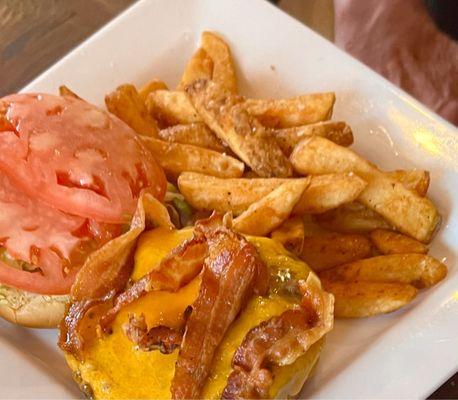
(115, 369)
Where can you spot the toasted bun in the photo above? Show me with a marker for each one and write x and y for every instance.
(31, 310)
(114, 368)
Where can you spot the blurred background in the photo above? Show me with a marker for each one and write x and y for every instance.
(410, 42)
(413, 43)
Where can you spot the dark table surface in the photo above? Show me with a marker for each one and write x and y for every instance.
(36, 33)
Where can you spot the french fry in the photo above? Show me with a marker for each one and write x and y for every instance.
(172, 107)
(271, 211)
(224, 113)
(418, 270)
(127, 105)
(415, 179)
(66, 91)
(295, 111)
(250, 174)
(205, 192)
(389, 242)
(151, 86)
(200, 66)
(197, 134)
(365, 299)
(351, 218)
(223, 66)
(336, 131)
(327, 251)
(311, 228)
(290, 234)
(411, 214)
(176, 158)
(327, 192)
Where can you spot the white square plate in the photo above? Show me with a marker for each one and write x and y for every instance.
(405, 354)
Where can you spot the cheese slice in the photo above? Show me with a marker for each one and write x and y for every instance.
(115, 369)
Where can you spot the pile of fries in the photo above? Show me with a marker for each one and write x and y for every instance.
(283, 169)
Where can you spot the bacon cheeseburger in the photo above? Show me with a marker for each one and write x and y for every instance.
(202, 313)
(70, 178)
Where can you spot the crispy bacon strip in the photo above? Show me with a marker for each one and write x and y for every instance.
(106, 282)
(298, 341)
(105, 273)
(160, 337)
(278, 341)
(182, 265)
(72, 333)
(252, 377)
(231, 274)
(175, 271)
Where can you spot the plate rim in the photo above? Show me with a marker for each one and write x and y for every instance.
(397, 92)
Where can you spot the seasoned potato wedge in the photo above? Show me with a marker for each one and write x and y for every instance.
(171, 107)
(204, 192)
(150, 87)
(290, 234)
(176, 158)
(197, 134)
(126, 104)
(311, 227)
(224, 113)
(223, 65)
(351, 218)
(414, 179)
(365, 299)
(325, 192)
(271, 211)
(329, 250)
(418, 270)
(411, 214)
(200, 66)
(66, 91)
(389, 242)
(295, 111)
(336, 131)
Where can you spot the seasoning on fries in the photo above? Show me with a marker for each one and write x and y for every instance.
(404, 209)
(197, 134)
(336, 131)
(272, 210)
(176, 158)
(225, 114)
(126, 104)
(295, 111)
(366, 299)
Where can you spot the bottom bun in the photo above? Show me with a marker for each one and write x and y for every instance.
(295, 376)
(30, 309)
(287, 385)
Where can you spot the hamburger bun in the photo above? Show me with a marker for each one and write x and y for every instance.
(30, 309)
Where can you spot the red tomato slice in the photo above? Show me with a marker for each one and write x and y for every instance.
(76, 157)
(50, 240)
(49, 281)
